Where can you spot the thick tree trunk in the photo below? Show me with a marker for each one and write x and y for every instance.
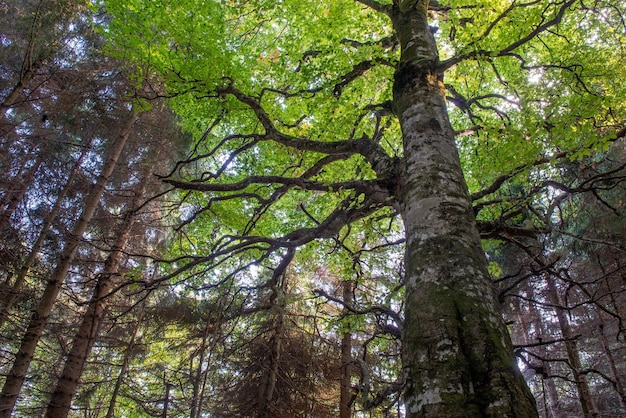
(65, 390)
(457, 354)
(17, 375)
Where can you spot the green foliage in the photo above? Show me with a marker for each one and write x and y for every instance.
(527, 84)
(557, 92)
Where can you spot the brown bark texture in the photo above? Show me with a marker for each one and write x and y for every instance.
(7, 303)
(584, 394)
(61, 400)
(17, 375)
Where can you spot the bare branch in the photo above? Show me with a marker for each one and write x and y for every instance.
(377, 309)
(380, 161)
(444, 65)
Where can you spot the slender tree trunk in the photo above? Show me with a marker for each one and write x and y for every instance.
(31, 64)
(21, 85)
(7, 303)
(277, 300)
(550, 394)
(457, 353)
(61, 400)
(345, 386)
(196, 382)
(266, 389)
(166, 398)
(125, 362)
(584, 394)
(14, 198)
(202, 393)
(617, 381)
(17, 375)
(199, 378)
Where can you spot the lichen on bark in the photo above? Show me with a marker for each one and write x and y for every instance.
(457, 354)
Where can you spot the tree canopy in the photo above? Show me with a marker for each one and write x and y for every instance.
(315, 237)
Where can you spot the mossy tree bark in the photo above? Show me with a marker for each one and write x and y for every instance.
(457, 353)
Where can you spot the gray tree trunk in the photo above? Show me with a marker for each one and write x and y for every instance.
(457, 354)
(16, 377)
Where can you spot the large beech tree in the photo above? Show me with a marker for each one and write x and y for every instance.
(328, 120)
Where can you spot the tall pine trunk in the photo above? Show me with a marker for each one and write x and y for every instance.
(128, 353)
(584, 394)
(61, 400)
(15, 197)
(16, 377)
(457, 353)
(345, 386)
(7, 303)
